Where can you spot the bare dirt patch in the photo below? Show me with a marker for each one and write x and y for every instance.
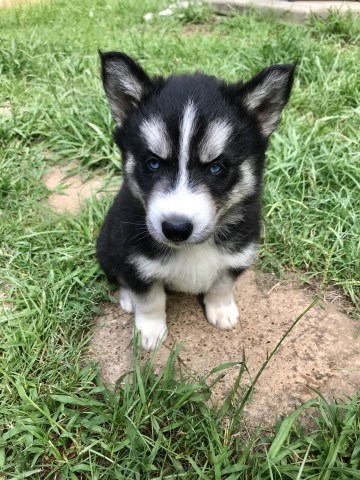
(15, 3)
(197, 29)
(70, 191)
(5, 304)
(321, 352)
(5, 108)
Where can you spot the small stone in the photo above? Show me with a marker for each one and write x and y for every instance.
(166, 12)
(148, 16)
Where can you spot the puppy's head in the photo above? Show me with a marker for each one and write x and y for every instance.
(193, 146)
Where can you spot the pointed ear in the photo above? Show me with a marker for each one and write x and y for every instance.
(125, 83)
(266, 94)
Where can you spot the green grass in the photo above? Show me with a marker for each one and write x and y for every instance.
(49, 70)
(57, 420)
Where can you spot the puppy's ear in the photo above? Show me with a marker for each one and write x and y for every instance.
(125, 83)
(266, 94)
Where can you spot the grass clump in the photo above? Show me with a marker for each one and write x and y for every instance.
(162, 427)
(339, 28)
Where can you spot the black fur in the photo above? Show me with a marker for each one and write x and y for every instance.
(125, 231)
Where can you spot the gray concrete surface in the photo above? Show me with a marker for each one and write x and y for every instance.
(297, 11)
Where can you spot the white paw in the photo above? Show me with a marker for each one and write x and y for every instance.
(153, 332)
(125, 300)
(223, 316)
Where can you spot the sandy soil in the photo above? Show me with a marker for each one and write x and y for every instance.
(5, 108)
(70, 191)
(321, 352)
(14, 3)
(5, 305)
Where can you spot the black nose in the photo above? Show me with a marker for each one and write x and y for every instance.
(177, 230)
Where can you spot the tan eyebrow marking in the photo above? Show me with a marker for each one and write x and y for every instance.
(213, 144)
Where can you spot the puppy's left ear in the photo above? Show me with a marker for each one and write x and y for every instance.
(125, 83)
(266, 94)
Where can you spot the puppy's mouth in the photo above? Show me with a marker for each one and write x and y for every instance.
(179, 245)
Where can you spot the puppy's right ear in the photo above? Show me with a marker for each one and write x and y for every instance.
(125, 83)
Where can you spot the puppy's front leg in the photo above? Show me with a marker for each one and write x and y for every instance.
(221, 310)
(150, 317)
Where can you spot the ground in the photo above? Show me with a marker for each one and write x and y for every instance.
(57, 312)
(322, 352)
(70, 190)
(298, 11)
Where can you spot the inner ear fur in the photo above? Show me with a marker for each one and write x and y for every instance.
(125, 83)
(266, 94)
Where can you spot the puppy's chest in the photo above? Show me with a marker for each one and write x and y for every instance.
(193, 269)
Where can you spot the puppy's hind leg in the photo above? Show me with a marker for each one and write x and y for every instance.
(220, 307)
(150, 316)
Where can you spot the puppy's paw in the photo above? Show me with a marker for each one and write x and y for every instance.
(223, 316)
(125, 300)
(153, 332)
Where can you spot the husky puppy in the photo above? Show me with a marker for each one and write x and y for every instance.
(187, 216)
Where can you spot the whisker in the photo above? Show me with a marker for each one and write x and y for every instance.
(140, 235)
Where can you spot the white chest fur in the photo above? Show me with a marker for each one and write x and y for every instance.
(194, 268)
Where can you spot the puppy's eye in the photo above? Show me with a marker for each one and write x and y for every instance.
(215, 168)
(153, 164)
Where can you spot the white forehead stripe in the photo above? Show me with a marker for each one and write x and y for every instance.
(128, 82)
(187, 127)
(216, 136)
(186, 130)
(154, 133)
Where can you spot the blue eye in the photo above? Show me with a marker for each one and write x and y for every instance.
(153, 164)
(215, 168)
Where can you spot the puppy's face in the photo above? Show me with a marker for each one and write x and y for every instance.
(193, 147)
